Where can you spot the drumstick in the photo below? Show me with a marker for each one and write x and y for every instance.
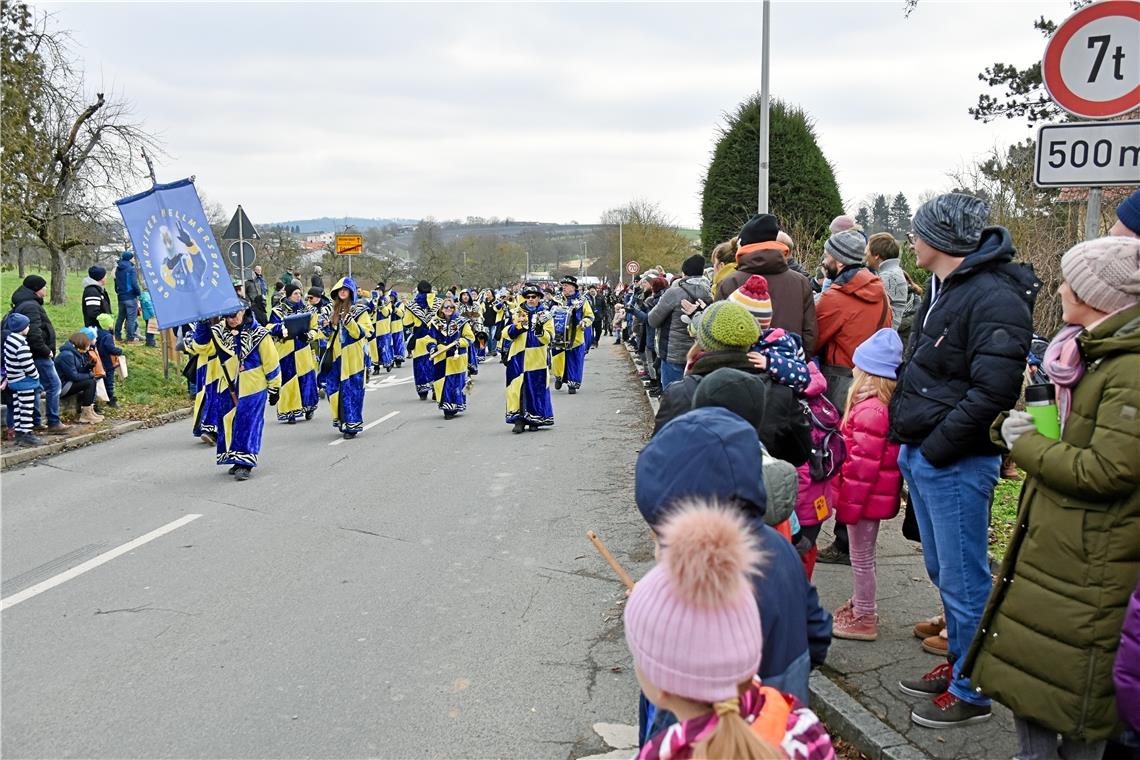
(602, 550)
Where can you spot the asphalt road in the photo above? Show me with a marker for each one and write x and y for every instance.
(425, 590)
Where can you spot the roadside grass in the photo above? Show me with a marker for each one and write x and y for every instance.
(1003, 515)
(145, 393)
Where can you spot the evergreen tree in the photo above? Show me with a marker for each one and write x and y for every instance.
(880, 215)
(863, 218)
(900, 216)
(801, 183)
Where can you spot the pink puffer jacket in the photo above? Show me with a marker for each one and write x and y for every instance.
(869, 484)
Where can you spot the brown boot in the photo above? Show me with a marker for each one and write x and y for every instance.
(937, 645)
(87, 416)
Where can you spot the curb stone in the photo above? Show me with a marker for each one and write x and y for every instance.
(846, 717)
(23, 456)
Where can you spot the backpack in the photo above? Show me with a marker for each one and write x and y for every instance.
(828, 449)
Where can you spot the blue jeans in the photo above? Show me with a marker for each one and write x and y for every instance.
(952, 505)
(493, 339)
(671, 373)
(49, 379)
(128, 312)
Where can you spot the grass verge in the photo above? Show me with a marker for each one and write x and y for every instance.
(1003, 515)
(145, 393)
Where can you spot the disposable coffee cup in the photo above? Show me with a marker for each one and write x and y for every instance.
(1041, 403)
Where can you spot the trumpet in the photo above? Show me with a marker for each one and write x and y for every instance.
(522, 318)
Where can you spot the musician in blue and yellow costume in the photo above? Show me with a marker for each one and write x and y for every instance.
(206, 376)
(569, 365)
(251, 377)
(419, 315)
(298, 367)
(399, 350)
(449, 341)
(348, 333)
(526, 341)
(383, 324)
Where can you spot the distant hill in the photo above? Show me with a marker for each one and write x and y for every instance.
(335, 224)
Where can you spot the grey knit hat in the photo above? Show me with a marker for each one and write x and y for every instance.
(1105, 272)
(952, 223)
(846, 247)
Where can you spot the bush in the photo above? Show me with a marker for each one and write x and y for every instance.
(801, 180)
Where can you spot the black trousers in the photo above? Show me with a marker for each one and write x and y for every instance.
(84, 389)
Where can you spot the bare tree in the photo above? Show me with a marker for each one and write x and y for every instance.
(90, 152)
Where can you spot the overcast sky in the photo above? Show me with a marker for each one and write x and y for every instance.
(547, 112)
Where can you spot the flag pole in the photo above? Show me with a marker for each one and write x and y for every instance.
(161, 333)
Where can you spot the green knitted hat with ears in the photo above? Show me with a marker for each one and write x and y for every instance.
(727, 326)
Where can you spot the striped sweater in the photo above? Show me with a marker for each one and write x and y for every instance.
(18, 363)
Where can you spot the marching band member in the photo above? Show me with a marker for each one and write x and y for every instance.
(206, 376)
(525, 344)
(383, 324)
(348, 333)
(298, 367)
(322, 307)
(419, 315)
(468, 308)
(449, 342)
(399, 350)
(371, 352)
(250, 378)
(569, 364)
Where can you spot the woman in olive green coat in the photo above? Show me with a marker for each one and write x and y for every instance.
(1047, 640)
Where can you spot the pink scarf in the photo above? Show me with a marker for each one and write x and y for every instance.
(1065, 367)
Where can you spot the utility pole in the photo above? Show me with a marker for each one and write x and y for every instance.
(762, 197)
(621, 258)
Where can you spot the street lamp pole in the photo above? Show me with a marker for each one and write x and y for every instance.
(762, 196)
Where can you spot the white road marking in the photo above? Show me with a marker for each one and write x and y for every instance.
(387, 383)
(94, 562)
(369, 426)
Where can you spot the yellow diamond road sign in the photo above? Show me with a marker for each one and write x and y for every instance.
(349, 245)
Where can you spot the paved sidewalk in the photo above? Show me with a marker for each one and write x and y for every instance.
(870, 671)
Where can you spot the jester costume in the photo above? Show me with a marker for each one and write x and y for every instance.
(348, 342)
(383, 324)
(250, 376)
(525, 343)
(569, 365)
(399, 351)
(419, 315)
(206, 374)
(298, 367)
(449, 341)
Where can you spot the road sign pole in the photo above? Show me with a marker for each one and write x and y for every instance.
(1092, 214)
(241, 248)
(762, 189)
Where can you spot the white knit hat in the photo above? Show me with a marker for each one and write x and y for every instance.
(1105, 272)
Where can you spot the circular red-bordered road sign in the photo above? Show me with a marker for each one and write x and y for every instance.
(1127, 13)
(633, 267)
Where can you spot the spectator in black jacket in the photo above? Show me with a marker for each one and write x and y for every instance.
(29, 301)
(95, 298)
(127, 290)
(962, 368)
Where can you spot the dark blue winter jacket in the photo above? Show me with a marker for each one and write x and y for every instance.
(72, 366)
(126, 280)
(966, 356)
(105, 345)
(711, 453)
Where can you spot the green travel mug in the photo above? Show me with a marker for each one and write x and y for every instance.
(1041, 403)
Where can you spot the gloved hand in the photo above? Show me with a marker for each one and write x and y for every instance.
(274, 393)
(1016, 425)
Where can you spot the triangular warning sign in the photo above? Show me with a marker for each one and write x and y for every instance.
(240, 227)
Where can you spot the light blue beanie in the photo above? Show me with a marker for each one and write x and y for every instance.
(881, 354)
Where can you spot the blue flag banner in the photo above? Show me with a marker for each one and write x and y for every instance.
(184, 270)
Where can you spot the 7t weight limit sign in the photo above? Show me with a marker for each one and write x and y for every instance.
(1088, 154)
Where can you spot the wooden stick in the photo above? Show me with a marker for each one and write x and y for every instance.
(602, 550)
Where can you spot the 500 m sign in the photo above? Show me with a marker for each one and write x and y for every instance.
(1091, 154)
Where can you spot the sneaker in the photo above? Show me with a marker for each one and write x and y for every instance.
(947, 711)
(209, 438)
(243, 473)
(931, 684)
(855, 627)
(349, 435)
(572, 390)
(831, 555)
(29, 440)
(937, 645)
(930, 627)
(519, 427)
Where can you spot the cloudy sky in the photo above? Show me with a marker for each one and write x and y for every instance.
(549, 112)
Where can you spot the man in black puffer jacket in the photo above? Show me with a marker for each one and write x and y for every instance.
(29, 301)
(962, 368)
